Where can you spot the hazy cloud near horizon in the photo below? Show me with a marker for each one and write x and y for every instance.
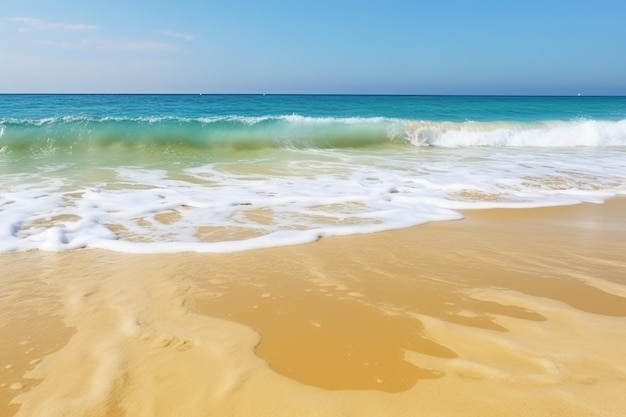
(29, 24)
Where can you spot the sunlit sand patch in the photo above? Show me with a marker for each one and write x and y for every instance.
(145, 227)
(321, 217)
(346, 208)
(24, 343)
(124, 233)
(565, 182)
(227, 233)
(117, 185)
(118, 229)
(443, 298)
(483, 354)
(60, 220)
(550, 344)
(611, 263)
(168, 217)
(602, 284)
(565, 284)
(341, 213)
(31, 324)
(325, 280)
(264, 216)
(344, 220)
(480, 195)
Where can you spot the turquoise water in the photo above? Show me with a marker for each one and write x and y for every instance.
(434, 108)
(165, 173)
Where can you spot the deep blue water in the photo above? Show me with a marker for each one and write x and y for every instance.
(434, 108)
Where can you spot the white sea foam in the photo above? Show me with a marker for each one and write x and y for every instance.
(290, 196)
(545, 134)
(308, 120)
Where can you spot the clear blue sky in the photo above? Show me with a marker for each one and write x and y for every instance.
(314, 46)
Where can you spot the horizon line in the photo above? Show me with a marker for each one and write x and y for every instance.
(314, 94)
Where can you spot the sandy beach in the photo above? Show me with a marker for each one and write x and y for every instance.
(504, 313)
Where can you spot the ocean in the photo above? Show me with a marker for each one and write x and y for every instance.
(221, 173)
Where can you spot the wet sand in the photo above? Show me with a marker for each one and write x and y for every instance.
(503, 313)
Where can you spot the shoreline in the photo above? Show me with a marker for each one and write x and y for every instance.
(524, 309)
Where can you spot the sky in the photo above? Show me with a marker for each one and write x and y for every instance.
(531, 47)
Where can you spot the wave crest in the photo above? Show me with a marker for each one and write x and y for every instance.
(74, 133)
(498, 134)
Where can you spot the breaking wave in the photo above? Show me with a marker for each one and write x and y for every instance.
(76, 134)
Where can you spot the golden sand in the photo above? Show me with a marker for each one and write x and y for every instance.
(504, 313)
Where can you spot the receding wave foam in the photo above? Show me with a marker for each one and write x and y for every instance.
(292, 197)
(75, 134)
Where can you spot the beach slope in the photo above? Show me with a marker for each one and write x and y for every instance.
(504, 313)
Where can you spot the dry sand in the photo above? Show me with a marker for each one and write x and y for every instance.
(504, 313)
